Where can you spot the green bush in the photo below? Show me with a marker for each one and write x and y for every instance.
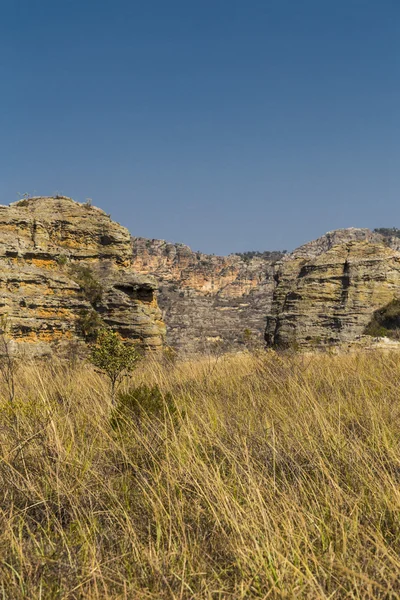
(385, 322)
(273, 255)
(113, 357)
(62, 260)
(143, 402)
(388, 231)
(90, 287)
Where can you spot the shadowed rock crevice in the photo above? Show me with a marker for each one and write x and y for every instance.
(142, 293)
(345, 281)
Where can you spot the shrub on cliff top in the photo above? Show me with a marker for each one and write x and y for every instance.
(388, 231)
(272, 255)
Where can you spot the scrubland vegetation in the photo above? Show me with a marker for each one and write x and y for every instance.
(248, 476)
(385, 322)
(388, 231)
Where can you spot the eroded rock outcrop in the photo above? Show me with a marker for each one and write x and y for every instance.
(324, 292)
(208, 301)
(41, 241)
(328, 290)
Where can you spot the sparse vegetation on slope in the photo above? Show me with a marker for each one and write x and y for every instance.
(91, 288)
(272, 255)
(278, 477)
(388, 231)
(385, 321)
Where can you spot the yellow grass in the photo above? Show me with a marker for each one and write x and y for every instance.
(280, 480)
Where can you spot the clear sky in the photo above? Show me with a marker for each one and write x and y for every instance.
(229, 125)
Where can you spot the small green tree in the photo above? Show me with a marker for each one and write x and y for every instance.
(113, 357)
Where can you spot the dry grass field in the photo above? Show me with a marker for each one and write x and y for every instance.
(278, 477)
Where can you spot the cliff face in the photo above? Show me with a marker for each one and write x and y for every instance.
(328, 290)
(324, 292)
(42, 241)
(207, 301)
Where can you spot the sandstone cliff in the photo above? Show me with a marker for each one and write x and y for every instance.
(324, 292)
(208, 301)
(42, 240)
(328, 290)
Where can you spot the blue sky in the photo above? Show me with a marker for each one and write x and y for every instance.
(224, 124)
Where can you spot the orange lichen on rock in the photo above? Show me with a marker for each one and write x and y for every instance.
(43, 263)
(206, 297)
(42, 241)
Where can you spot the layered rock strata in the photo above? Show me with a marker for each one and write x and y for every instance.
(208, 301)
(328, 290)
(41, 240)
(324, 292)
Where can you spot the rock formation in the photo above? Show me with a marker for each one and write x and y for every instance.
(65, 266)
(324, 292)
(328, 290)
(208, 301)
(46, 246)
